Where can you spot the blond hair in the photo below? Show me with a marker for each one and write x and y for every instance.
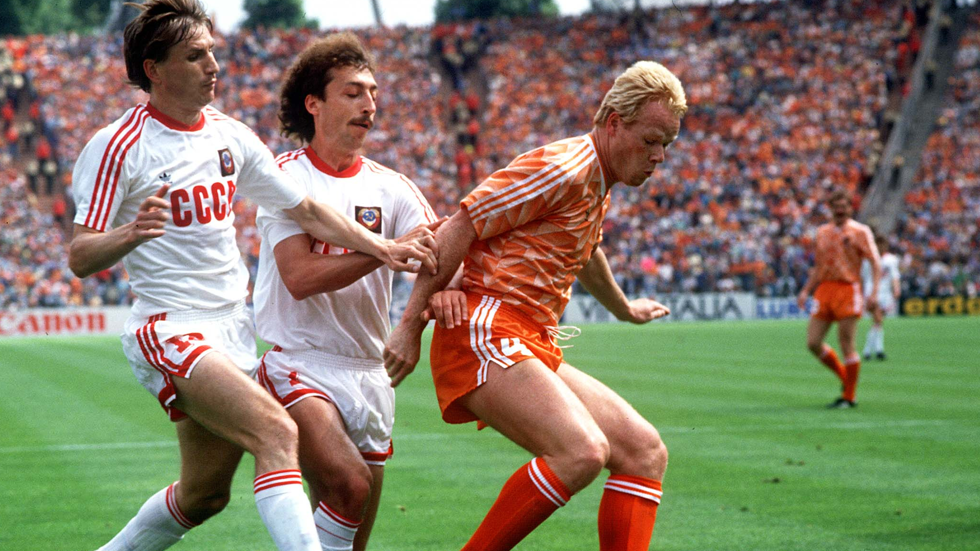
(643, 82)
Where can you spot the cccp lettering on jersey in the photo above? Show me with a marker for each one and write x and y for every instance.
(205, 203)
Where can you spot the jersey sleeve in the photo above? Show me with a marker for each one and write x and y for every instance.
(261, 178)
(525, 190)
(412, 208)
(273, 225)
(102, 176)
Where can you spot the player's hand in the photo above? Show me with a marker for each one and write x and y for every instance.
(418, 244)
(401, 354)
(448, 308)
(871, 303)
(801, 299)
(642, 310)
(151, 217)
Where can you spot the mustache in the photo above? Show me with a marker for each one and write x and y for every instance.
(364, 120)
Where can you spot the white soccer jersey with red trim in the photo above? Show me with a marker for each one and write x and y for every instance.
(350, 323)
(197, 264)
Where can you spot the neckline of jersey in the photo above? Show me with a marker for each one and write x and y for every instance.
(323, 167)
(602, 170)
(173, 123)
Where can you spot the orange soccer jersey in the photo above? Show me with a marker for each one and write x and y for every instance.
(840, 250)
(537, 221)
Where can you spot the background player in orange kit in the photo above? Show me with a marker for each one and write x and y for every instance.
(526, 233)
(841, 245)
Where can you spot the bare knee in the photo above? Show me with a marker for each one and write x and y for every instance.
(276, 440)
(581, 460)
(200, 505)
(345, 488)
(641, 453)
(658, 459)
(815, 346)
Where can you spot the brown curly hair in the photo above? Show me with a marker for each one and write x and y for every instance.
(161, 25)
(310, 74)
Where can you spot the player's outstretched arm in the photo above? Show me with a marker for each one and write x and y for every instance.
(92, 251)
(325, 223)
(598, 280)
(307, 273)
(402, 350)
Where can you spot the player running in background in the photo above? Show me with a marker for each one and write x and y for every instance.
(154, 189)
(889, 290)
(841, 245)
(526, 233)
(324, 307)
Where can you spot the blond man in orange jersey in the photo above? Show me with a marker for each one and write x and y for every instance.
(841, 245)
(526, 234)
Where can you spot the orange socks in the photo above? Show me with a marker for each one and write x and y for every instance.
(851, 370)
(529, 497)
(627, 512)
(829, 358)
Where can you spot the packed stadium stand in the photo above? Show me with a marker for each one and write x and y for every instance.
(787, 99)
(939, 232)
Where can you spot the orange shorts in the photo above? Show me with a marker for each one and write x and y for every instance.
(497, 333)
(837, 300)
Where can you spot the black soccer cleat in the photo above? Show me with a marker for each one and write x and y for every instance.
(842, 403)
(881, 355)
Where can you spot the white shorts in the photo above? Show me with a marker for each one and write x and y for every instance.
(171, 344)
(887, 303)
(362, 393)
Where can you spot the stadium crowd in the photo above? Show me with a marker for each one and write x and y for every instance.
(939, 232)
(788, 99)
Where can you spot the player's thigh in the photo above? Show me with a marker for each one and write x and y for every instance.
(228, 403)
(847, 333)
(634, 443)
(326, 453)
(529, 404)
(816, 331)
(207, 462)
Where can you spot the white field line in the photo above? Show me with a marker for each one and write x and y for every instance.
(855, 425)
(869, 425)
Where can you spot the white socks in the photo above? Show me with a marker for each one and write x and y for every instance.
(336, 532)
(285, 510)
(874, 343)
(158, 525)
(279, 496)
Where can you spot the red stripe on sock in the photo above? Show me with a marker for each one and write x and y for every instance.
(171, 500)
(338, 518)
(627, 513)
(275, 479)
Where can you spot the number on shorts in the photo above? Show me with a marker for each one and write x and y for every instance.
(183, 342)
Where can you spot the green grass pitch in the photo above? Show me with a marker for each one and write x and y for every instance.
(756, 462)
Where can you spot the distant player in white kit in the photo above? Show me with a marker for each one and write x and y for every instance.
(190, 340)
(324, 307)
(889, 290)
